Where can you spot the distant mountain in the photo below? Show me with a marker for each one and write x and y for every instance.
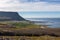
(10, 16)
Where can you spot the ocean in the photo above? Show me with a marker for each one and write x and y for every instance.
(50, 22)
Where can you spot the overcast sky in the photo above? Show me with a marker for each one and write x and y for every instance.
(32, 6)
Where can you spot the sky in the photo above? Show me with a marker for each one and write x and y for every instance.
(32, 6)
(40, 14)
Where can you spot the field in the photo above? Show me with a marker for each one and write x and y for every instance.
(27, 31)
(29, 38)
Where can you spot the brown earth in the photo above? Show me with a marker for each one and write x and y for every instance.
(30, 32)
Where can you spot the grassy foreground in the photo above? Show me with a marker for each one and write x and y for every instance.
(18, 25)
(29, 38)
(24, 27)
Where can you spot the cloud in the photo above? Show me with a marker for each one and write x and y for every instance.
(39, 0)
(29, 1)
(28, 5)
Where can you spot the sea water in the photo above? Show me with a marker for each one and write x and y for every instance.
(51, 22)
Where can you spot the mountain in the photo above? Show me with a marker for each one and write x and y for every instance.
(10, 16)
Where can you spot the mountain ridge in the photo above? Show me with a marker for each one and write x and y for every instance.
(10, 16)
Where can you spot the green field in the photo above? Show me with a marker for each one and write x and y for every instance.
(23, 24)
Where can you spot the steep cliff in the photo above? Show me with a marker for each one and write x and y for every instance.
(10, 16)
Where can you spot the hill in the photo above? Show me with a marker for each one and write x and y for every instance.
(10, 16)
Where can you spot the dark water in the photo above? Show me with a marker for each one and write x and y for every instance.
(51, 22)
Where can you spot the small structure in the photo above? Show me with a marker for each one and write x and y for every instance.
(43, 26)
